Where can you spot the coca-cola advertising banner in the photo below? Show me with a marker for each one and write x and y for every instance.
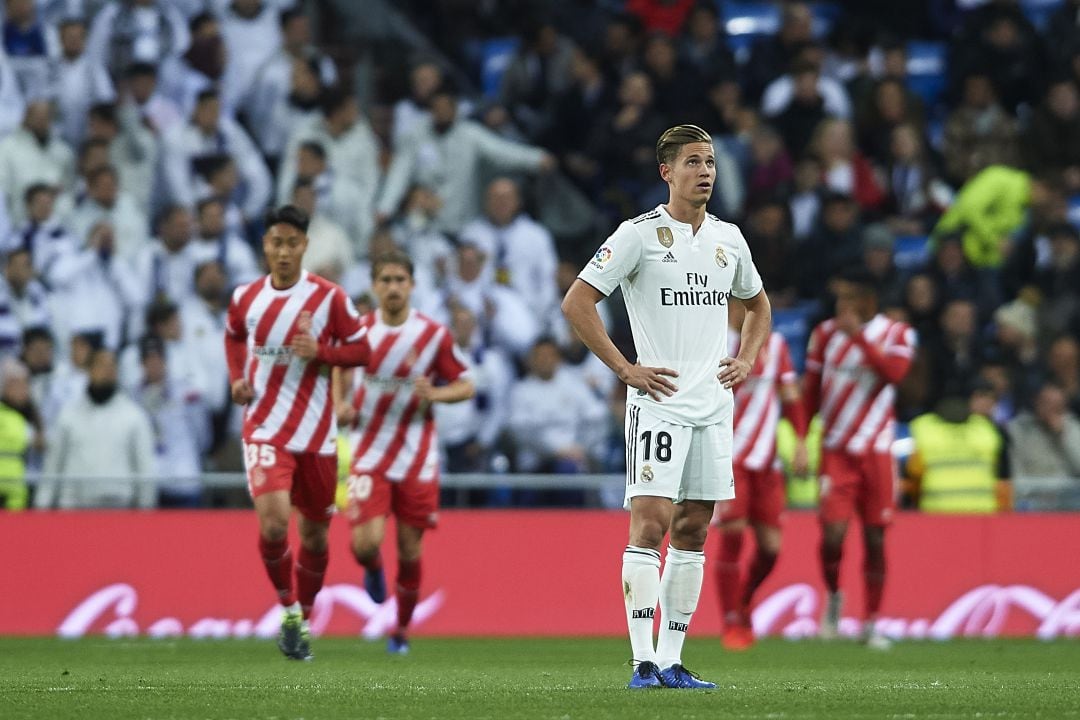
(518, 573)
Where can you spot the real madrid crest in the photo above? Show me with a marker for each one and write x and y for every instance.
(721, 258)
(646, 473)
(663, 234)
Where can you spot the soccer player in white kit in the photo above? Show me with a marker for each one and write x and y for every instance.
(678, 268)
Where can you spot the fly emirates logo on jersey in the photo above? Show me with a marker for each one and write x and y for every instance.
(697, 293)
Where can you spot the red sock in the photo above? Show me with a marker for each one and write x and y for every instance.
(830, 565)
(874, 577)
(408, 591)
(728, 576)
(277, 559)
(759, 570)
(370, 562)
(310, 569)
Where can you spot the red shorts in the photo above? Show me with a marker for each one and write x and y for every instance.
(411, 501)
(759, 496)
(866, 483)
(310, 478)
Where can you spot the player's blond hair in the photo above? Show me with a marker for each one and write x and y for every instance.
(671, 142)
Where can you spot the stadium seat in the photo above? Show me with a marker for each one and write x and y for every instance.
(911, 251)
(926, 70)
(495, 55)
(1039, 11)
(794, 324)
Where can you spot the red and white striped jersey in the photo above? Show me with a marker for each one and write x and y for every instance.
(293, 408)
(757, 402)
(396, 437)
(856, 401)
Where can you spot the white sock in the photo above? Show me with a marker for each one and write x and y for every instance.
(641, 589)
(679, 592)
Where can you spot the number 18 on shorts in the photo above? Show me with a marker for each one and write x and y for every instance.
(676, 461)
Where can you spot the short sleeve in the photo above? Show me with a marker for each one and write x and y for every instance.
(617, 259)
(747, 282)
(902, 342)
(347, 326)
(234, 317)
(450, 364)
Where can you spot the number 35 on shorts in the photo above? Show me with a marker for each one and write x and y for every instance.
(257, 455)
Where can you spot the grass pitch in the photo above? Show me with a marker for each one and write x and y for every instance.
(530, 678)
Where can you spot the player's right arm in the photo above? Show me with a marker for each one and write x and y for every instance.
(616, 259)
(236, 352)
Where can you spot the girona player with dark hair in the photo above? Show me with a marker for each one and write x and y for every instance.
(282, 332)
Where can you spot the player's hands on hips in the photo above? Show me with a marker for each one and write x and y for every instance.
(848, 323)
(733, 371)
(651, 380)
(304, 344)
(242, 393)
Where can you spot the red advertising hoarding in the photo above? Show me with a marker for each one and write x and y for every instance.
(197, 573)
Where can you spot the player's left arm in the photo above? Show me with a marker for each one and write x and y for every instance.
(794, 409)
(452, 367)
(746, 286)
(755, 331)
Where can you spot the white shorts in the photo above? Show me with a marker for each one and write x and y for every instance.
(676, 461)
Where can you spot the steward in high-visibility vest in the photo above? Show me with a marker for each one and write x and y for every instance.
(957, 460)
(15, 435)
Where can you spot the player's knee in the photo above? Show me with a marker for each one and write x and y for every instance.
(689, 536)
(274, 529)
(364, 550)
(647, 534)
(874, 540)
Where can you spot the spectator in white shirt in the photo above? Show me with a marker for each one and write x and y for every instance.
(554, 418)
(101, 452)
(216, 242)
(163, 321)
(521, 250)
(211, 133)
(12, 105)
(165, 267)
(252, 32)
(295, 107)
(47, 373)
(329, 252)
(130, 31)
(447, 154)
(29, 42)
(104, 201)
(133, 149)
(469, 431)
(155, 109)
(505, 316)
(80, 80)
(42, 234)
(336, 195)
(410, 112)
(219, 179)
(180, 422)
(26, 298)
(33, 154)
(350, 146)
(202, 320)
(271, 82)
(781, 91)
(204, 66)
(93, 290)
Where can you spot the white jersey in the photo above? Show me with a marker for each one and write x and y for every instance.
(677, 286)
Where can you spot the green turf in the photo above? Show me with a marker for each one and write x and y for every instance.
(560, 679)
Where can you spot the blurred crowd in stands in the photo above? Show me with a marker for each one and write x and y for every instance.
(141, 142)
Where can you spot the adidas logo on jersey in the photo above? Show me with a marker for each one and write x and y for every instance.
(669, 257)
